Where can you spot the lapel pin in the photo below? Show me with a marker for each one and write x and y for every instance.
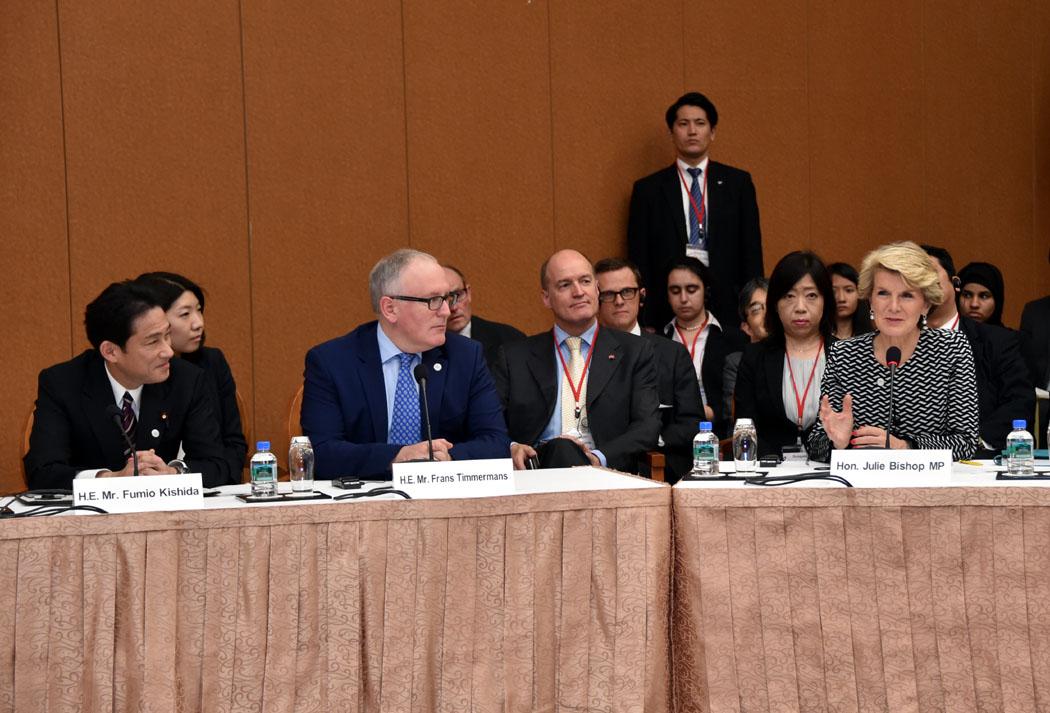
(720, 183)
(611, 357)
(155, 433)
(437, 367)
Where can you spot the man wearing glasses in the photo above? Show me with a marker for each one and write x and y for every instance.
(681, 409)
(462, 319)
(361, 401)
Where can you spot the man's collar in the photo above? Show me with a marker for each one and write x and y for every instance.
(387, 349)
(685, 166)
(636, 330)
(560, 334)
(119, 389)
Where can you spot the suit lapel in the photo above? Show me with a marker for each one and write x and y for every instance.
(608, 353)
(153, 415)
(672, 191)
(97, 397)
(541, 366)
(715, 197)
(436, 361)
(372, 383)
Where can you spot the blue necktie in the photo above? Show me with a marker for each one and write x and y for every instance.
(696, 231)
(404, 426)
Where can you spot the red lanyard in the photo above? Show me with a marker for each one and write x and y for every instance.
(955, 323)
(699, 210)
(800, 403)
(692, 349)
(576, 389)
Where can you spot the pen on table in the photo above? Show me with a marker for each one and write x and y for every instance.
(972, 462)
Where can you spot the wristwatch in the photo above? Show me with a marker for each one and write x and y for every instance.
(179, 466)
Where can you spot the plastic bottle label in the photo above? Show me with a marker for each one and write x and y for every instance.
(264, 473)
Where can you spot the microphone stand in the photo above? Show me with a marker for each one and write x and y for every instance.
(114, 412)
(420, 372)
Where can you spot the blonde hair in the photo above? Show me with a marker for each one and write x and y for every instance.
(907, 260)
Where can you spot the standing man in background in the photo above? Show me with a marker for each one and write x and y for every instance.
(463, 321)
(697, 208)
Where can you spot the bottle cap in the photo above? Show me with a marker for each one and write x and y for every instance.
(705, 425)
(743, 422)
(301, 439)
(262, 445)
(1020, 423)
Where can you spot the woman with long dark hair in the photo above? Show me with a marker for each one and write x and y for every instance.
(852, 314)
(778, 385)
(183, 301)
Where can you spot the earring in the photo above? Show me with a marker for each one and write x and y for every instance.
(922, 322)
(871, 315)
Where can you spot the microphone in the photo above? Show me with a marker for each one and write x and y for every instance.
(420, 372)
(893, 360)
(114, 412)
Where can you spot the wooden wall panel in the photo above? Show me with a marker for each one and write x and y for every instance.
(865, 106)
(615, 67)
(751, 61)
(478, 110)
(34, 304)
(1038, 268)
(978, 158)
(326, 168)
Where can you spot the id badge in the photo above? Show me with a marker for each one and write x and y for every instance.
(699, 253)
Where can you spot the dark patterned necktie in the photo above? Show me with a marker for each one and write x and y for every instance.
(696, 229)
(127, 421)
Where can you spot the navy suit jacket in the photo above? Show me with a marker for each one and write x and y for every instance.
(656, 236)
(344, 408)
(72, 430)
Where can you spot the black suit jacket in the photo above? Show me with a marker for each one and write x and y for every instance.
(1035, 339)
(220, 378)
(759, 396)
(622, 401)
(492, 336)
(72, 430)
(712, 373)
(1004, 389)
(657, 235)
(677, 388)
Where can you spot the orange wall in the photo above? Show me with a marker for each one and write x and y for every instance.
(273, 152)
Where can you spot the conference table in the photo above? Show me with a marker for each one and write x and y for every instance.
(881, 597)
(554, 598)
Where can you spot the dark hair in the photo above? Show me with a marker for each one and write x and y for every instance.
(943, 257)
(170, 286)
(612, 264)
(792, 268)
(860, 320)
(692, 99)
(987, 274)
(748, 291)
(700, 270)
(844, 269)
(110, 316)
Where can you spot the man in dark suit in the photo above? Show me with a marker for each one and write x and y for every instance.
(462, 319)
(126, 386)
(1004, 391)
(578, 394)
(1035, 344)
(695, 207)
(361, 403)
(620, 296)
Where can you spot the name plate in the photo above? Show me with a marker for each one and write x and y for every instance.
(455, 479)
(903, 465)
(147, 493)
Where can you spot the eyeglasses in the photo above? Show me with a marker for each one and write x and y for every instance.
(626, 294)
(432, 303)
(458, 294)
(756, 308)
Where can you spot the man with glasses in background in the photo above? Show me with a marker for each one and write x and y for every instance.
(462, 319)
(361, 400)
(681, 410)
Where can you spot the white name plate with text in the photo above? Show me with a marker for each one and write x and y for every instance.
(907, 466)
(147, 493)
(456, 478)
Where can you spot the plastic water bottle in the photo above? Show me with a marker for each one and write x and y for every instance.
(1019, 455)
(705, 451)
(301, 465)
(264, 470)
(745, 446)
